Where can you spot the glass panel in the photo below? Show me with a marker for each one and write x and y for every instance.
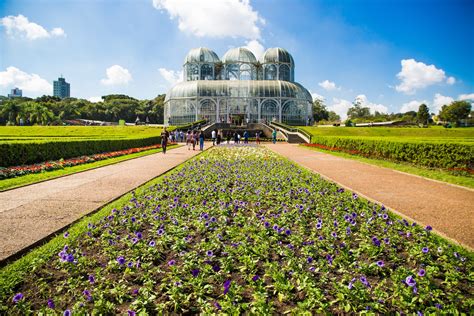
(284, 73)
(207, 72)
(208, 110)
(269, 111)
(270, 72)
(232, 72)
(192, 72)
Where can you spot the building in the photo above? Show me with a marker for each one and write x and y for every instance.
(238, 89)
(61, 88)
(15, 93)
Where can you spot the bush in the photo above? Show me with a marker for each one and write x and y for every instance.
(428, 154)
(20, 153)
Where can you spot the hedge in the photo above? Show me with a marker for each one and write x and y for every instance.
(21, 153)
(444, 155)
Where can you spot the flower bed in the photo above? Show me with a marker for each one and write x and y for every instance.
(240, 230)
(17, 171)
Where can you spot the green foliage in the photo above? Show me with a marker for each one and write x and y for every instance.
(358, 111)
(455, 112)
(423, 114)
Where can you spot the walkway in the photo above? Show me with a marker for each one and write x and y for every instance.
(31, 213)
(448, 209)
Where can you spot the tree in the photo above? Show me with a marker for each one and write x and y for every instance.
(423, 114)
(333, 116)
(320, 112)
(358, 111)
(455, 112)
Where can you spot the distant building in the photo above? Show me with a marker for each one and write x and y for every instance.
(15, 93)
(61, 88)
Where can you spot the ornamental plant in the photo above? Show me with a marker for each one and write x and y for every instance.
(241, 230)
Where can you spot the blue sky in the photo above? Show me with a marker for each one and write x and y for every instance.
(391, 55)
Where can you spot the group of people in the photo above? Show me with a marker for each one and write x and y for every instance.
(193, 137)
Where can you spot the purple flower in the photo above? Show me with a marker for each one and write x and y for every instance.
(91, 279)
(87, 294)
(438, 306)
(380, 263)
(275, 227)
(209, 253)
(161, 231)
(333, 234)
(226, 286)
(171, 262)
(131, 313)
(152, 243)
(410, 281)
(18, 297)
(319, 225)
(288, 232)
(364, 281)
(309, 260)
(139, 235)
(133, 219)
(213, 219)
(422, 272)
(425, 250)
(134, 240)
(51, 303)
(130, 264)
(351, 284)
(66, 235)
(255, 278)
(376, 241)
(195, 272)
(216, 268)
(267, 224)
(217, 305)
(428, 228)
(67, 312)
(121, 260)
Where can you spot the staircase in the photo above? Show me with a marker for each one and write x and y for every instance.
(292, 135)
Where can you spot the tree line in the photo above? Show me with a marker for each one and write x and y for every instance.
(49, 110)
(454, 113)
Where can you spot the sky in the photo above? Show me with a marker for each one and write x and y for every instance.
(390, 55)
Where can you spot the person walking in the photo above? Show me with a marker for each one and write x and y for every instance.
(213, 137)
(201, 141)
(195, 139)
(219, 137)
(164, 139)
(257, 137)
(246, 137)
(189, 140)
(274, 136)
(228, 138)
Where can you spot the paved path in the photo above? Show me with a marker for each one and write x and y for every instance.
(448, 209)
(33, 212)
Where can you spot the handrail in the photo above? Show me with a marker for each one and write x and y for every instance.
(293, 129)
(190, 125)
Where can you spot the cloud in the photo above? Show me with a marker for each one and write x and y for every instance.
(316, 96)
(222, 18)
(462, 97)
(451, 81)
(95, 99)
(328, 85)
(340, 106)
(255, 47)
(171, 76)
(31, 84)
(116, 75)
(20, 26)
(362, 99)
(440, 100)
(412, 106)
(417, 75)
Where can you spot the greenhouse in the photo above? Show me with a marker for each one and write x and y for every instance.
(239, 89)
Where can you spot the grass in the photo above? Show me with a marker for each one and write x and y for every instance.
(48, 175)
(435, 174)
(410, 133)
(17, 133)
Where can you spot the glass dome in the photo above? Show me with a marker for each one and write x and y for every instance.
(239, 55)
(201, 55)
(276, 55)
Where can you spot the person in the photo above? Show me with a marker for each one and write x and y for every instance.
(257, 137)
(236, 138)
(195, 139)
(274, 136)
(213, 136)
(164, 139)
(228, 138)
(201, 141)
(189, 139)
(219, 138)
(246, 137)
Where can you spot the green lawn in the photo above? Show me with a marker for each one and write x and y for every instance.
(48, 175)
(435, 174)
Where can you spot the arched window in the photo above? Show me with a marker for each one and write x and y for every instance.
(284, 73)
(269, 110)
(247, 72)
(192, 71)
(232, 72)
(270, 72)
(208, 110)
(207, 72)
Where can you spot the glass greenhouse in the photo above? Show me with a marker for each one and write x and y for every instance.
(238, 89)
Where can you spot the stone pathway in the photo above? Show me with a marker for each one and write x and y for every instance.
(31, 213)
(447, 208)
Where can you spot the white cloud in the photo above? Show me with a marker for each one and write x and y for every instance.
(317, 96)
(451, 81)
(222, 18)
(440, 100)
(95, 99)
(255, 47)
(372, 106)
(340, 106)
(412, 106)
(20, 26)
(417, 75)
(466, 97)
(171, 76)
(116, 75)
(31, 84)
(328, 85)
